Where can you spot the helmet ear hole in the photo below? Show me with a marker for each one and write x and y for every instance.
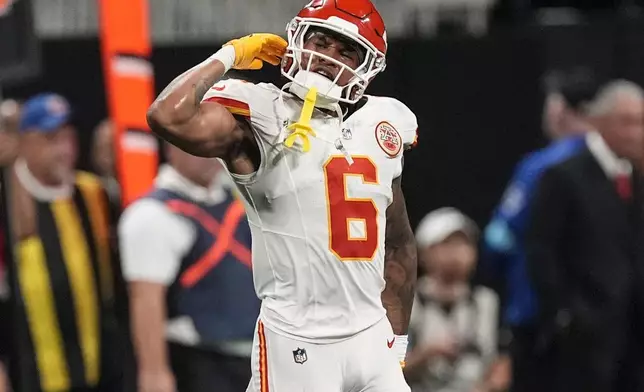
(356, 90)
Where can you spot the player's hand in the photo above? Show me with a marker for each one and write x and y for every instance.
(252, 50)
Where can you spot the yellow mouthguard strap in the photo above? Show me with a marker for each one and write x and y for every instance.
(302, 128)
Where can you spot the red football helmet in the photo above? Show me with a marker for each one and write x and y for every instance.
(357, 20)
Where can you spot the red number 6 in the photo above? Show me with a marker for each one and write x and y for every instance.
(342, 209)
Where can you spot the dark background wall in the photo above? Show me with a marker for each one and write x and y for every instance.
(478, 101)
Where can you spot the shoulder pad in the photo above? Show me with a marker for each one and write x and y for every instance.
(233, 95)
(250, 100)
(404, 120)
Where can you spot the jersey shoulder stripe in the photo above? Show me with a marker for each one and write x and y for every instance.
(234, 106)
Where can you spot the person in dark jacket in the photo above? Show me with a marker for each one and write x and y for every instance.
(503, 246)
(583, 249)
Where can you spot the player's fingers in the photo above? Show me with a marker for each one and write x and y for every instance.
(269, 58)
(279, 52)
(274, 51)
(276, 41)
(256, 64)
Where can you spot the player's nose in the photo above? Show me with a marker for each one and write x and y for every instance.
(326, 63)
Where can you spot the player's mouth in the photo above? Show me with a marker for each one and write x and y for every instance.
(325, 71)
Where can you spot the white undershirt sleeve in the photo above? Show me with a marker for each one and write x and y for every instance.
(153, 241)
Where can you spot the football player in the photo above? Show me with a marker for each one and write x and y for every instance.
(319, 166)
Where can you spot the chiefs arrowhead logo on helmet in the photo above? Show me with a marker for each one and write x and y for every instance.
(361, 13)
(315, 4)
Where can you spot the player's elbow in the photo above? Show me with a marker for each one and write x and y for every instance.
(159, 120)
(162, 123)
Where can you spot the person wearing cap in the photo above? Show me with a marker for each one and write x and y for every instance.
(503, 255)
(453, 325)
(64, 328)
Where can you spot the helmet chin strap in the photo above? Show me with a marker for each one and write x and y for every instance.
(302, 128)
(328, 92)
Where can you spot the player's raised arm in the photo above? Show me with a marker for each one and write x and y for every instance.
(209, 130)
(400, 268)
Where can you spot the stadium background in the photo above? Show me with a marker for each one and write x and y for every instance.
(478, 99)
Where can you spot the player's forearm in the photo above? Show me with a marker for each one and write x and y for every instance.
(148, 314)
(400, 262)
(400, 277)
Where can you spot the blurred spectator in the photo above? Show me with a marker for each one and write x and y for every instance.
(582, 248)
(503, 245)
(9, 118)
(104, 163)
(454, 325)
(64, 328)
(185, 250)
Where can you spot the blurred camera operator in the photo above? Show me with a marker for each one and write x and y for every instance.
(453, 325)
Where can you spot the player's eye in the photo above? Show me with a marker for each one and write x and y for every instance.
(322, 43)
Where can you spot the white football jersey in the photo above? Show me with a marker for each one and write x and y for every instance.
(318, 222)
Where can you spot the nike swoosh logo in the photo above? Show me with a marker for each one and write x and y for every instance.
(390, 344)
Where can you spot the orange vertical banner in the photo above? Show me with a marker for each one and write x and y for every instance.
(129, 85)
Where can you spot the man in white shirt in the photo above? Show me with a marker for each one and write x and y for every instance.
(185, 250)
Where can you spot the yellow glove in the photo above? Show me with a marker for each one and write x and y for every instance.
(252, 50)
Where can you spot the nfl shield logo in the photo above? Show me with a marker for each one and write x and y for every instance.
(346, 134)
(299, 355)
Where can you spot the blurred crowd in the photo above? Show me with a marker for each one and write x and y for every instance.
(548, 296)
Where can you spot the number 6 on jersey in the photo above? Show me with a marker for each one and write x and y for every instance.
(342, 209)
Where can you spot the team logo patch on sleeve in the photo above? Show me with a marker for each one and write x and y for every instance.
(299, 355)
(388, 138)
